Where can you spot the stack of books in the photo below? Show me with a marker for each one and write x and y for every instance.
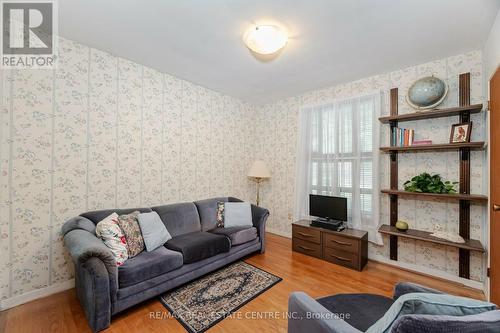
(403, 137)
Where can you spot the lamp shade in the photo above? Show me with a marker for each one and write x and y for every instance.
(259, 170)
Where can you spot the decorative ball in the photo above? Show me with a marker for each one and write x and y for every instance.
(401, 225)
(427, 93)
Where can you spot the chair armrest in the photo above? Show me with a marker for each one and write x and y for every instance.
(307, 315)
(407, 287)
(259, 218)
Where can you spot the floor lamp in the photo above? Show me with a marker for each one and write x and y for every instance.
(258, 172)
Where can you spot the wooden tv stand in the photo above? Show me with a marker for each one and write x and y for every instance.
(348, 248)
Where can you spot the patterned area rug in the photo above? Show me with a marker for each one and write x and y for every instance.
(201, 304)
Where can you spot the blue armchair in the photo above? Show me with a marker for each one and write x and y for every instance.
(355, 313)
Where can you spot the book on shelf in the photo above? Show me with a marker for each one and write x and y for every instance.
(422, 142)
(402, 137)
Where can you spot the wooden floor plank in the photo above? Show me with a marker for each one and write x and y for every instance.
(62, 313)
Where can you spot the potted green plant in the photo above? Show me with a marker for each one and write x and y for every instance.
(426, 183)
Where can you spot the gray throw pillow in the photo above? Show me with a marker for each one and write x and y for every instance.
(237, 214)
(153, 230)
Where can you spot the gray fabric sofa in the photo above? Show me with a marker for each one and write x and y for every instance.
(104, 289)
(310, 315)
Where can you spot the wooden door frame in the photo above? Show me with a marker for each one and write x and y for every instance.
(490, 203)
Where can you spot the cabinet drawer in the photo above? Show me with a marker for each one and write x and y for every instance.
(308, 248)
(340, 257)
(341, 243)
(307, 234)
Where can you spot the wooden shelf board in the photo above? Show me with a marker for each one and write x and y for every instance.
(457, 196)
(437, 113)
(443, 146)
(470, 244)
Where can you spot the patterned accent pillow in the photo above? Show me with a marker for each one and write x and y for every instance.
(220, 214)
(130, 227)
(112, 236)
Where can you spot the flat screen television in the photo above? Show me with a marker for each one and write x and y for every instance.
(328, 207)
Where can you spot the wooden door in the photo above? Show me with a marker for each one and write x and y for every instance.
(495, 188)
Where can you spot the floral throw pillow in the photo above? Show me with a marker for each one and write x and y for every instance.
(130, 227)
(220, 215)
(112, 236)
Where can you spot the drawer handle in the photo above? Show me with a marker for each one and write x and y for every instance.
(341, 243)
(340, 258)
(305, 235)
(306, 248)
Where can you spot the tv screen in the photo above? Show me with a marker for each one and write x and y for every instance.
(334, 208)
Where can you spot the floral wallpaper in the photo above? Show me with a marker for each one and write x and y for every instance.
(103, 132)
(278, 140)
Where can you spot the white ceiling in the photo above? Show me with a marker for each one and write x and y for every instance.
(332, 41)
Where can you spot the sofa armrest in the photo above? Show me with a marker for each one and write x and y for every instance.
(96, 278)
(486, 322)
(78, 222)
(307, 315)
(259, 218)
(407, 287)
(92, 285)
(82, 245)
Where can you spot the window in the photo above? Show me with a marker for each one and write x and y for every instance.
(338, 156)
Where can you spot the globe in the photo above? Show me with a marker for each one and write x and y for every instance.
(427, 93)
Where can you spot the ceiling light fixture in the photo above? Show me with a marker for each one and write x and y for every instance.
(265, 39)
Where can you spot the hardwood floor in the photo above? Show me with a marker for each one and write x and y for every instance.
(62, 313)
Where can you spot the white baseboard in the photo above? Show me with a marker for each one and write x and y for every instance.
(35, 294)
(429, 271)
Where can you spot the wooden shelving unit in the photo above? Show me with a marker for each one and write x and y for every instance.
(458, 196)
(464, 198)
(442, 146)
(437, 113)
(470, 244)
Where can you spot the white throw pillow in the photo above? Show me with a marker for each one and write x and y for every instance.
(237, 214)
(112, 235)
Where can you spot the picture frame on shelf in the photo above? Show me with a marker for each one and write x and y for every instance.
(460, 133)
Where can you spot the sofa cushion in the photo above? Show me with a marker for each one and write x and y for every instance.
(364, 309)
(207, 209)
(147, 265)
(97, 215)
(237, 235)
(196, 246)
(180, 218)
(186, 273)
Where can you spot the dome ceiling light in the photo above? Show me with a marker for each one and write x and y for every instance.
(265, 39)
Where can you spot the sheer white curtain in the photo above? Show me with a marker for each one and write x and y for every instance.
(338, 154)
